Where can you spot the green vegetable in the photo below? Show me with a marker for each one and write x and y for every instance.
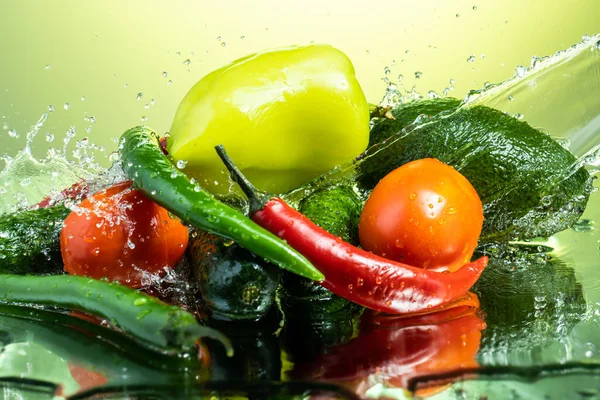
(153, 174)
(29, 241)
(85, 343)
(157, 325)
(336, 210)
(234, 283)
(529, 185)
(406, 114)
(530, 299)
(285, 115)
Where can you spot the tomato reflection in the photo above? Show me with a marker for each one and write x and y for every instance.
(393, 349)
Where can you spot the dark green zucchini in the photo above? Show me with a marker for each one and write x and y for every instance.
(530, 300)
(29, 241)
(529, 185)
(235, 284)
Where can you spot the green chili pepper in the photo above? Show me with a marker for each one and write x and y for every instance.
(152, 173)
(161, 326)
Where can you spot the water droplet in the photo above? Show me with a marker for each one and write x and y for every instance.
(219, 38)
(430, 205)
(66, 106)
(139, 96)
(140, 302)
(583, 225)
(187, 61)
(471, 58)
(520, 71)
(433, 95)
(510, 98)
(82, 98)
(418, 74)
(223, 44)
(378, 279)
(50, 108)
(152, 102)
(169, 82)
(49, 137)
(144, 118)
(387, 70)
(125, 85)
(181, 164)
(399, 243)
(451, 211)
(518, 116)
(350, 286)
(48, 66)
(146, 106)
(13, 133)
(412, 196)
(242, 37)
(457, 15)
(165, 74)
(474, 8)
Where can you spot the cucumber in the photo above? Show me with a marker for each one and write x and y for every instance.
(337, 210)
(529, 299)
(29, 241)
(235, 284)
(529, 185)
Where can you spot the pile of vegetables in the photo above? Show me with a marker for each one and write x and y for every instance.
(271, 186)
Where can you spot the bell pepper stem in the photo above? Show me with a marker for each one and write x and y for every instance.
(255, 197)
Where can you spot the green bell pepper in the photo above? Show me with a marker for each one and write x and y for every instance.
(285, 116)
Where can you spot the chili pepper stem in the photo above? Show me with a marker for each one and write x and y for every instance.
(255, 197)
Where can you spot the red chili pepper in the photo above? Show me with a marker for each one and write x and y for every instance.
(357, 275)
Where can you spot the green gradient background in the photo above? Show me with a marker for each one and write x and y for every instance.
(95, 48)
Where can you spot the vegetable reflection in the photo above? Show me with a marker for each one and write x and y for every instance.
(393, 349)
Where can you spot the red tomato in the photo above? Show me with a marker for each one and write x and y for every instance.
(425, 214)
(120, 234)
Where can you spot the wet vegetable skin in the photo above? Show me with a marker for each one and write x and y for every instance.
(355, 274)
(530, 186)
(235, 284)
(163, 327)
(425, 214)
(29, 241)
(153, 174)
(286, 115)
(120, 234)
